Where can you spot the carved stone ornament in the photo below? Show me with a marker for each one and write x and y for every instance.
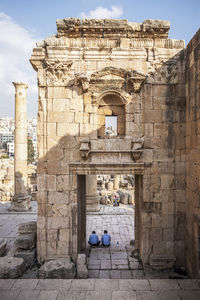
(165, 73)
(83, 81)
(84, 148)
(135, 81)
(111, 78)
(56, 72)
(137, 148)
(73, 27)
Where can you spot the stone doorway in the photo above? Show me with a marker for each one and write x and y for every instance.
(117, 261)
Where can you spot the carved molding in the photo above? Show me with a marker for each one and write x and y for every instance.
(57, 72)
(125, 97)
(73, 27)
(110, 79)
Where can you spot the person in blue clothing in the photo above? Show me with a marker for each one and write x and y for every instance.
(94, 239)
(105, 239)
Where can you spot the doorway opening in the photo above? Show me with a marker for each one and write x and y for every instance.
(111, 204)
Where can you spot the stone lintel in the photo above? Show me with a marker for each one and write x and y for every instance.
(106, 168)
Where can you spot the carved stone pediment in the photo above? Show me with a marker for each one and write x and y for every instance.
(111, 78)
(116, 78)
(109, 71)
(57, 71)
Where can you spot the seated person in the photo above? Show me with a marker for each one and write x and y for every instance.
(105, 239)
(94, 239)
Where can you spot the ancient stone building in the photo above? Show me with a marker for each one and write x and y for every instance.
(95, 69)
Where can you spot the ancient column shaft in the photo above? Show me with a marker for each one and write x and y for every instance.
(116, 182)
(92, 198)
(21, 200)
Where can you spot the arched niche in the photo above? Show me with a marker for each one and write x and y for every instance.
(111, 115)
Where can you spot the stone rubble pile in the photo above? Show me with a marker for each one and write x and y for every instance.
(59, 268)
(11, 267)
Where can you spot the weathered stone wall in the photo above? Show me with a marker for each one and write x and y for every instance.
(193, 154)
(136, 67)
(163, 118)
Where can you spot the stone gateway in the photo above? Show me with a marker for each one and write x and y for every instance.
(95, 69)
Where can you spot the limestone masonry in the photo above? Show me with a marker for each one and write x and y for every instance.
(95, 69)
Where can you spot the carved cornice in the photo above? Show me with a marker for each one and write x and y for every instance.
(73, 27)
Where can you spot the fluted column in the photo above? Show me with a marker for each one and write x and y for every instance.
(92, 198)
(21, 199)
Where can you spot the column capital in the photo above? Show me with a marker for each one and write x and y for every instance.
(20, 85)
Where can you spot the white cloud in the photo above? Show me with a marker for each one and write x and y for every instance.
(103, 13)
(15, 51)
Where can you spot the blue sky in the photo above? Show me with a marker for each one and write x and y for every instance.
(23, 22)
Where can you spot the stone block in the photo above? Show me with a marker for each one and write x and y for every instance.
(151, 116)
(27, 227)
(60, 105)
(57, 222)
(26, 241)
(58, 197)
(57, 92)
(61, 268)
(51, 129)
(81, 260)
(62, 183)
(79, 117)
(82, 271)
(11, 267)
(29, 256)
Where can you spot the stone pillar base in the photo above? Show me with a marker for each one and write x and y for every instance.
(21, 203)
(92, 203)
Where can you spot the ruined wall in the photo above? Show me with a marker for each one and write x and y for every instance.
(163, 118)
(134, 66)
(193, 154)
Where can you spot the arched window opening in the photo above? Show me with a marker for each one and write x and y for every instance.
(111, 117)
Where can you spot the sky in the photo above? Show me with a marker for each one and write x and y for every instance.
(24, 22)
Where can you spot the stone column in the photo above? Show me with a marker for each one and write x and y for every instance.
(116, 182)
(92, 198)
(21, 199)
